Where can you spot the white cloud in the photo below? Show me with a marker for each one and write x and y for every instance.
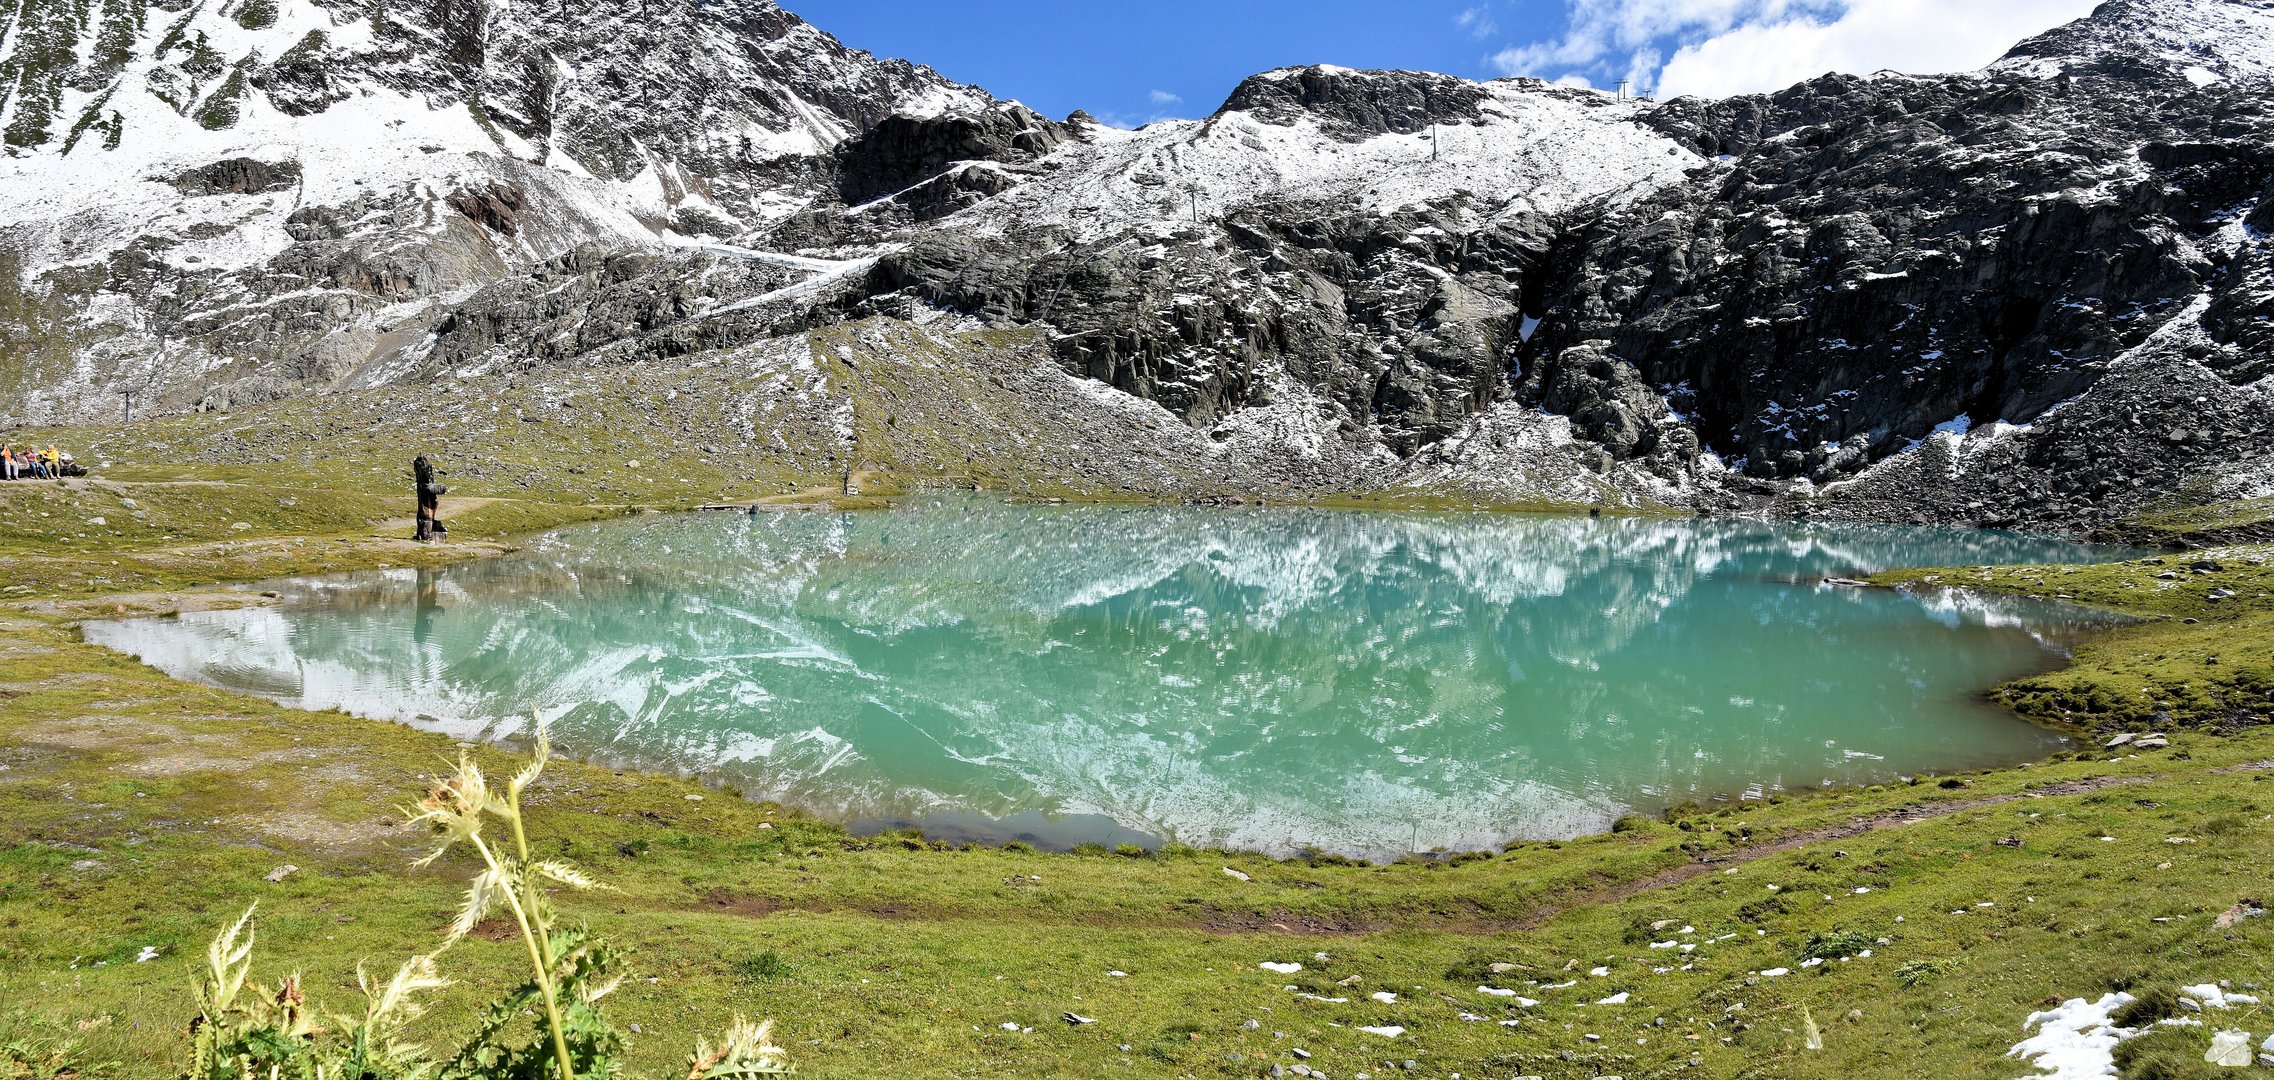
(1597, 30)
(1478, 21)
(1723, 47)
(1163, 97)
(1912, 36)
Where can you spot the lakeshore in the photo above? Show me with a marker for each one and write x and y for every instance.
(144, 812)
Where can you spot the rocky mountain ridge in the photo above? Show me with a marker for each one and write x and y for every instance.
(2038, 294)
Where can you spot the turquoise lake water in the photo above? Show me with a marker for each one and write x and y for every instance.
(1365, 683)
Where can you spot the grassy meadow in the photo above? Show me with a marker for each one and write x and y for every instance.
(140, 815)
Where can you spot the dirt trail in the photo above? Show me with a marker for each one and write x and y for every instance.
(1666, 879)
(452, 506)
(1475, 921)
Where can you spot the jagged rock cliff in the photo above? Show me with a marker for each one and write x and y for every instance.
(2037, 294)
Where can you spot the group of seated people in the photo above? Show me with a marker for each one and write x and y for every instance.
(32, 463)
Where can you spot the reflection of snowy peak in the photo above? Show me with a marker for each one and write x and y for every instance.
(2037, 293)
(1262, 678)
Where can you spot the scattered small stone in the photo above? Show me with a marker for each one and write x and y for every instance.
(1279, 968)
(1077, 1019)
(2247, 909)
(1234, 874)
(280, 873)
(1387, 1031)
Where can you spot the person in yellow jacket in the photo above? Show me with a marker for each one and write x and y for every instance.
(53, 459)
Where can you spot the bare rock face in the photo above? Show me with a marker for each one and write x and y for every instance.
(1611, 406)
(901, 152)
(237, 176)
(1358, 105)
(1872, 258)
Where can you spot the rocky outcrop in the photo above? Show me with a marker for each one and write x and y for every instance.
(1358, 105)
(900, 152)
(1873, 258)
(1404, 322)
(237, 176)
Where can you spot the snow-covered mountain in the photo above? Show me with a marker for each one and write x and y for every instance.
(2041, 292)
(236, 199)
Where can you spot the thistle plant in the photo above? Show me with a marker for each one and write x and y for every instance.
(246, 1031)
(457, 808)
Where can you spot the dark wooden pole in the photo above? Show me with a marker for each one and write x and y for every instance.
(430, 527)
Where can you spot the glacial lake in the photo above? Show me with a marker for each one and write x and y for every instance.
(1275, 679)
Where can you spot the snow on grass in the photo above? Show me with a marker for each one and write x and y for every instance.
(2075, 1040)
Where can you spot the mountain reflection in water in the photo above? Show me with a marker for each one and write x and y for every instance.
(1273, 679)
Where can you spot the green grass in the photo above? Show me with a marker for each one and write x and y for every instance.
(2201, 656)
(140, 812)
(2214, 522)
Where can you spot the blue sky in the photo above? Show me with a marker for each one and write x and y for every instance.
(1131, 61)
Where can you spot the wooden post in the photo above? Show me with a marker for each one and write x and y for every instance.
(430, 527)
